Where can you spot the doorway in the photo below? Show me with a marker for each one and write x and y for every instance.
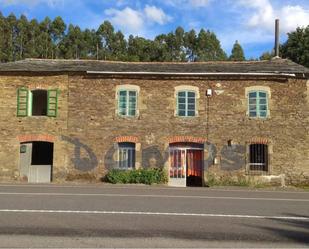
(186, 164)
(36, 161)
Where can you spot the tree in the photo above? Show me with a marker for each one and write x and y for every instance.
(91, 43)
(118, 47)
(73, 45)
(20, 38)
(11, 37)
(296, 47)
(44, 40)
(160, 48)
(58, 28)
(34, 32)
(209, 47)
(106, 34)
(237, 52)
(23, 36)
(140, 49)
(267, 55)
(190, 42)
(2, 39)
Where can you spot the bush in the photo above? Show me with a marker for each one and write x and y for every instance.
(228, 180)
(144, 176)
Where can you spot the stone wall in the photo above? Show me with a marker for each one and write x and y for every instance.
(14, 130)
(222, 117)
(87, 126)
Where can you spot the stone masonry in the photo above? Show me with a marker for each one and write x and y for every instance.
(87, 127)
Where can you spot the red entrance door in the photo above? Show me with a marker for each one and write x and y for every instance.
(194, 167)
(186, 166)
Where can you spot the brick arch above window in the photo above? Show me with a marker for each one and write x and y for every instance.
(258, 140)
(39, 138)
(186, 139)
(126, 139)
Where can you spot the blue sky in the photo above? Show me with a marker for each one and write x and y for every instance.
(251, 22)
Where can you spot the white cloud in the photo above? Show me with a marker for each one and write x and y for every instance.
(294, 16)
(265, 14)
(156, 15)
(135, 21)
(183, 4)
(127, 19)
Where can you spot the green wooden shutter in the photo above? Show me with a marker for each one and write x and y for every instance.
(22, 102)
(52, 102)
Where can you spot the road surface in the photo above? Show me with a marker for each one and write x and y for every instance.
(98, 215)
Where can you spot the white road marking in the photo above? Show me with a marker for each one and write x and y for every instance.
(154, 214)
(156, 196)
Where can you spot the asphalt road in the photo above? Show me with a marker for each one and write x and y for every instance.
(91, 216)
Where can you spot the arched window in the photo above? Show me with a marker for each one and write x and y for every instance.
(126, 155)
(258, 157)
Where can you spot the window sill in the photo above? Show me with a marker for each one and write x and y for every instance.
(127, 117)
(259, 118)
(186, 117)
(35, 117)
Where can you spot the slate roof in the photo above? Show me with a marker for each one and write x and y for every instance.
(277, 66)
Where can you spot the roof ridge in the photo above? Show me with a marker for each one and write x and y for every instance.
(277, 65)
(147, 62)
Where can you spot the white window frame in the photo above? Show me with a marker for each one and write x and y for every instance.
(124, 164)
(127, 89)
(187, 89)
(258, 89)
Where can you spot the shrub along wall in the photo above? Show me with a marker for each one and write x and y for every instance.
(144, 176)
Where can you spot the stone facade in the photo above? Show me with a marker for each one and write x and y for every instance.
(87, 128)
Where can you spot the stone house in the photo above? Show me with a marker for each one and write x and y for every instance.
(71, 119)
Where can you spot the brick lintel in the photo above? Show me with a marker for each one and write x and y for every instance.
(186, 139)
(40, 137)
(258, 140)
(126, 139)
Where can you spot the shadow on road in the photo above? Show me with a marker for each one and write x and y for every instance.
(291, 230)
(133, 233)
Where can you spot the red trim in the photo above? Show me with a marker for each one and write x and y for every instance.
(258, 140)
(186, 139)
(126, 139)
(42, 138)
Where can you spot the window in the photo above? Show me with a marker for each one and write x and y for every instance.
(258, 104)
(37, 102)
(126, 155)
(186, 103)
(127, 103)
(258, 156)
